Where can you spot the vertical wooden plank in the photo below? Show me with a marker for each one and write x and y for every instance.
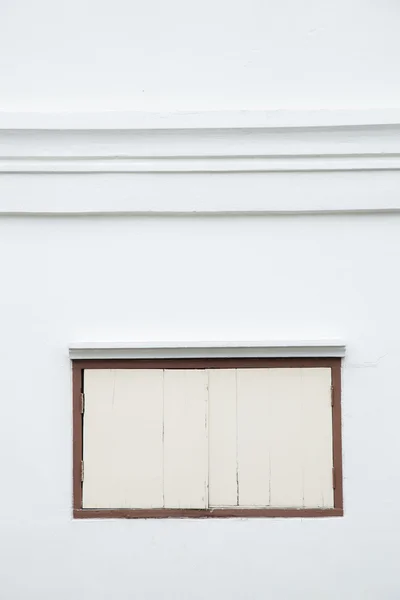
(253, 437)
(222, 433)
(122, 445)
(185, 439)
(286, 433)
(317, 447)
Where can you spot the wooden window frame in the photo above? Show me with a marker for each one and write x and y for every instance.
(78, 367)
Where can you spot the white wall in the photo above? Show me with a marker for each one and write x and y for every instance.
(252, 274)
(210, 55)
(198, 278)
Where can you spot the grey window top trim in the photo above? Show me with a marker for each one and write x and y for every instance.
(256, 349)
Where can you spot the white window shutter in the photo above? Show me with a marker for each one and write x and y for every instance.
(223, 488)
(208, 438)
(185, 439)
(122, 444)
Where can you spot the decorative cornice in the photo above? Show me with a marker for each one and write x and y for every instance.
(244, 163)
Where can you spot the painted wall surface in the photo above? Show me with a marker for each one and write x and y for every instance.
(114, 277)
(136, 278)
(211, 55)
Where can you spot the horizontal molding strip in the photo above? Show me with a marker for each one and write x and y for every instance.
(216, 164)
(201, 142)
(212, 119)
(276, 349)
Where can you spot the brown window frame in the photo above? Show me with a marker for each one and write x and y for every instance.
(78, 367)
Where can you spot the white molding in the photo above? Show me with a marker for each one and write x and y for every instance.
(215, 164)
(125, 120)
(199, 195)
(273, 349)
(245, 163)
(203, 143)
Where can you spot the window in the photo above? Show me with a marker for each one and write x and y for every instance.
(207, 437)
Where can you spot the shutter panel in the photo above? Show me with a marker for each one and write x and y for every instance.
(317, 438)
(253, 437)
(122, 445)
(285, 438)
(222, 437)
(185, 439)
